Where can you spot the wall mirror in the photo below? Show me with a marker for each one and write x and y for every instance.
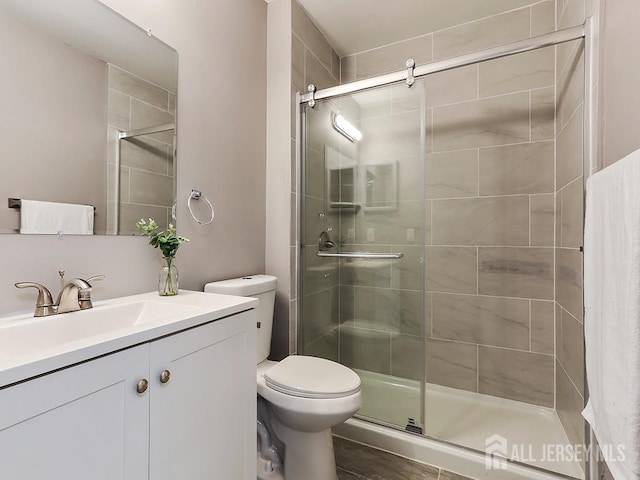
(89, 110)
(380, 186)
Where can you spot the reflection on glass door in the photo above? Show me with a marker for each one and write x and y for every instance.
(363, 184)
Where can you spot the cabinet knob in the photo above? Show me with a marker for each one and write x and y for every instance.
(165, 376)
(142, 385)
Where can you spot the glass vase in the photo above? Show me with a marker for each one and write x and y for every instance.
(168, 280)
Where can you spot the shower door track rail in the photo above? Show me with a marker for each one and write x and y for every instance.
(521, 46)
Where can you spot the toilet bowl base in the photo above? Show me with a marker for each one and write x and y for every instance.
(307, 455)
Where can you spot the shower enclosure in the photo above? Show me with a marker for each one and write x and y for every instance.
(440, 245)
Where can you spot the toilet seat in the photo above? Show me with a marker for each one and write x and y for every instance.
(312, 377)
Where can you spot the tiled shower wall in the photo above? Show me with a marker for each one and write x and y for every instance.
(489, 260)
(313, 61)
(147, 170)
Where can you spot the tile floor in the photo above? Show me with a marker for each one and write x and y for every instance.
(359, 462)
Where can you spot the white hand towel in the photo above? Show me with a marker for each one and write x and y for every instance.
(612, 313)
(51, 218)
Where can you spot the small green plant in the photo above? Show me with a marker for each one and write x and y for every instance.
(167, 241)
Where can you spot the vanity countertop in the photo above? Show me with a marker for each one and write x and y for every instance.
(33, 346)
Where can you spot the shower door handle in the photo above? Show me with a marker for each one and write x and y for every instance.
(361, 255)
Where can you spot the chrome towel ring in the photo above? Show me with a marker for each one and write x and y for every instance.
(197, 195)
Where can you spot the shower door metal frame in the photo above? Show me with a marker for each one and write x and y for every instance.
(514, 48)
(586, 32)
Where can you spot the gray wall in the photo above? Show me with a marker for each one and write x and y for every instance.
(619, 80)
(221, 142)
(53, 120)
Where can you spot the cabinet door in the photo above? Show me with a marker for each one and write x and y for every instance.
(203, 419)
(82, 422)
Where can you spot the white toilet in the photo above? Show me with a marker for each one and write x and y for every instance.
(306, 395)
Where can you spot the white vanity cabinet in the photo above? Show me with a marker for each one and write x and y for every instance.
(195, 420)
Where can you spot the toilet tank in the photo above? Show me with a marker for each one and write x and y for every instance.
(262, 287)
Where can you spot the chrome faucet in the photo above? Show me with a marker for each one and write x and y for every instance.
(74, 296)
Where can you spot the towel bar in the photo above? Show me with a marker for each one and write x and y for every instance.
(17, 204)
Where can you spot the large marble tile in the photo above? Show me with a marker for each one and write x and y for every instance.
(543, 18)
(347, 304)
(309, 34)
(481, 221)
(118, 109)
(410, 174)
(522, 376)
(543, 114)
(482, 123)
(573, 214)
(572, 14)
(391, 136)
(542, 327)
(570, 91)
(452, 364)
(348, 69)
(297, 64)
(365, 349)
(390, 227)
(365, 272)
(145, 154)
(451, 269)
(525, 168)
(406, 357)
(569, 150)
(487, 32)
(542, 220)
(318, 314)
(392, 58)
(130, 213)
(525, 71)
(376, 309)
(318, 273)
(315, 220)
(404, 99)
(144, 115)
(571, 349)
(371, 463)
(569, 281)
(452, 86)
(150, 188)
(516, 272)
(317, 72)
(452, 174)
(407, 272)
(136, 87)
(375, 102)
(497, 321)
(569, 405)
(325, 346)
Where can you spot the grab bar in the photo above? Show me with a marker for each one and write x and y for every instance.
(361, 255)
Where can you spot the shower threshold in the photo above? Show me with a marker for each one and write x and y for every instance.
(533, 435)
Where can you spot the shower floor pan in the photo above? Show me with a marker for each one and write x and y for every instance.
(533, 435)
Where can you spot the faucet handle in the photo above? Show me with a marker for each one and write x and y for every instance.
(95, 278)
(44, 302)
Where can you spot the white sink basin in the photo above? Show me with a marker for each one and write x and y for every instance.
(21, 334)
(33, 346)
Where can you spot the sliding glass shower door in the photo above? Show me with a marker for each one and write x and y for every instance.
(362, 244)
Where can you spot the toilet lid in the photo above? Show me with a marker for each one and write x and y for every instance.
(312, 377)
